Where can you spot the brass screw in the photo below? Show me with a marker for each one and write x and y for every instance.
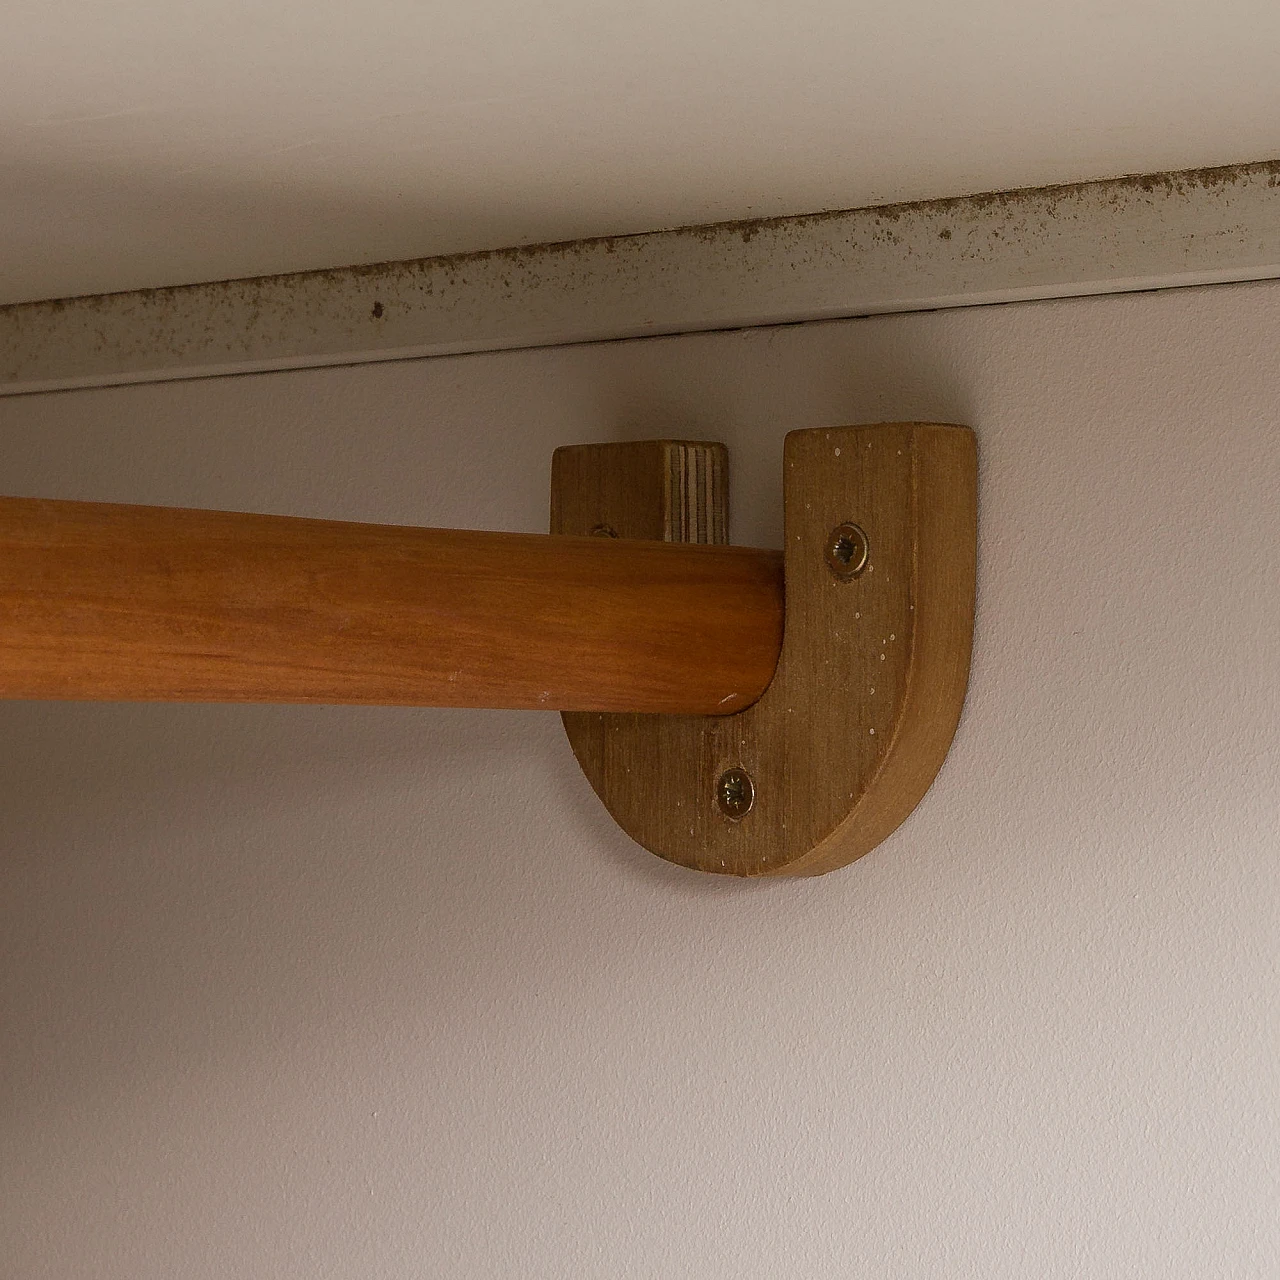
(735, 793)
(847, 550)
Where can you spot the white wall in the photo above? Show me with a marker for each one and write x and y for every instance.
(320, 992)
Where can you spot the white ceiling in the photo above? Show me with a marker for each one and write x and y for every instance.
(147, 142)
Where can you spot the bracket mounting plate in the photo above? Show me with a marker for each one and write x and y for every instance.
(880, 555)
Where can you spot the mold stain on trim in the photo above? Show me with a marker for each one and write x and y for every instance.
(1123, 234)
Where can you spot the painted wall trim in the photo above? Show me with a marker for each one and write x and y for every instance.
(1150, 232)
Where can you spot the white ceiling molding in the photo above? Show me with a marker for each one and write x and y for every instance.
(1157, 231)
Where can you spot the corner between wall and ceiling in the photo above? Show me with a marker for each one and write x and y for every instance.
(1119, 235)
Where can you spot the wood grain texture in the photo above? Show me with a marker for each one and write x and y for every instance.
(142, 603)
(660, 490)
(870, 684)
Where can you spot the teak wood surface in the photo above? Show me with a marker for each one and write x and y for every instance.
(871, 681)
(111, 602)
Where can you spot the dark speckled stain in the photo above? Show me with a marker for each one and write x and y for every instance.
(424, 274)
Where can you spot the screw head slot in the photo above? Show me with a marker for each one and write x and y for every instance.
(847, 550)
(735, 793)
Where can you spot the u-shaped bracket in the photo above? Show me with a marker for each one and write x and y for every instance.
(880, 552)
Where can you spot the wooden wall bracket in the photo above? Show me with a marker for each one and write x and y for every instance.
(738, 710)
(880, 551)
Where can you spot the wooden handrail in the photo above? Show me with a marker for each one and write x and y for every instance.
(109, 602)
